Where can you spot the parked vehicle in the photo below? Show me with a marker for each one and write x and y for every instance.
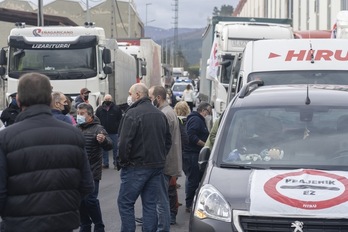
(279, 162)
(179, 87)
(72, 57)
(148, 58)
(296, 61)
(223, 39)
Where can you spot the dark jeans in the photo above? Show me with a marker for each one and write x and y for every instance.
(193, 175)
(136, 182)
(90, 212)
(163, 210)
(114, 138)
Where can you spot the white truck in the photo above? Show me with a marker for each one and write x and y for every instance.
(297, 61)
(72, 57)
(148, 58)
(225, 37)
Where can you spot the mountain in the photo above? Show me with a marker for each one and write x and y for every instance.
(189, 40)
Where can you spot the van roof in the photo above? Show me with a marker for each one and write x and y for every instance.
(297, 54)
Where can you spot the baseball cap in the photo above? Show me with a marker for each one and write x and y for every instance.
(84, 90)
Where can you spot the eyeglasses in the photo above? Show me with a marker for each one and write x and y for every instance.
(208, 111)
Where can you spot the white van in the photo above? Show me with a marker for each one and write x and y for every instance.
(300, 61)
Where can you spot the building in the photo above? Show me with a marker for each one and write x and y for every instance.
(119, 18)
(305, 14)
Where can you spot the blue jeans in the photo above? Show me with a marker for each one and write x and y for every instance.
(163, 206)
(136, 182)
(193, 175)
(90, 212)
(114, 138)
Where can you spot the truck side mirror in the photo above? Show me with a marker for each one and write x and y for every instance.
(106, 56)
(143, 68)
(107, 70)
(3, 58)
(203, 158)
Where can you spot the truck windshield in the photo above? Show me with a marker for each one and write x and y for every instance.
(297, 137)
(337, 77)
(57, 64)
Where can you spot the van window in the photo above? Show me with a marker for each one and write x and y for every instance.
(297, 137)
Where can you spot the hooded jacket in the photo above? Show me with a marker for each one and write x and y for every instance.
(93, 148)
(44, 172)
(196, 130)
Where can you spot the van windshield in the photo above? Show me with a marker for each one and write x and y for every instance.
(296, 137)
(337, 77)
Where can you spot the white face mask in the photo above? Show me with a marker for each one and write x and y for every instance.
(80, 119)
(207, 118)
(129, 100)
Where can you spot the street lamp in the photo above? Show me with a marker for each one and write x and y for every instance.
(147, 4)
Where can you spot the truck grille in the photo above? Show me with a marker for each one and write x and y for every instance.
(283, 224)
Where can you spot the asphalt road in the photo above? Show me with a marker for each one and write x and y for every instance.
(108, 193)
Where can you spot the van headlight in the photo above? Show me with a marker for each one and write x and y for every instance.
(211, 204)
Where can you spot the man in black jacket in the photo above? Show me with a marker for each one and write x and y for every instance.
(144, 142)
(110, 116)
(96, 139)
(44, 170)
(9, 114)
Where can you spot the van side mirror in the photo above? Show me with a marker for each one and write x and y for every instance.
(3, 58)
(203, 158)
(107, 70)
(106, 56)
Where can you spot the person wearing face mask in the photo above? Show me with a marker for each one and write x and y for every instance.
(110, 116)
(59, 107)
(96, 139)
(8, 116)
(198, 133)
(144, 142)
(167, 202)
(83, 97)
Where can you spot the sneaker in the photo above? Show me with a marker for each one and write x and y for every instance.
(105, 166)
(139, 220)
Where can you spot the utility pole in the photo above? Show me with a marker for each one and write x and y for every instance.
(40, 19)
(175, 39)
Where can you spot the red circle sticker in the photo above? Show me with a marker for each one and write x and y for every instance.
(308, 189)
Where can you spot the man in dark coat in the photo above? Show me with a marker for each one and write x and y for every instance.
(96, 139)
(83, 97)
(44, 170)
(198, 133)
(9, 114)
(110, 116)
(144, 142)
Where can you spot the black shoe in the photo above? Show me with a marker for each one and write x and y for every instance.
(139, 220)
(105, 166)
(173, 220)
(188, 209)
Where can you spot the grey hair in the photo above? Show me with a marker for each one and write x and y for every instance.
(88, 107)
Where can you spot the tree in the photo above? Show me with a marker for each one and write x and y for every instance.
(216, 11)
(225, 10)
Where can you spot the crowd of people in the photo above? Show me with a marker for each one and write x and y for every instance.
(153, 142)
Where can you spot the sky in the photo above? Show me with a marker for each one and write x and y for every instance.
(191, 14)
(160, 13)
